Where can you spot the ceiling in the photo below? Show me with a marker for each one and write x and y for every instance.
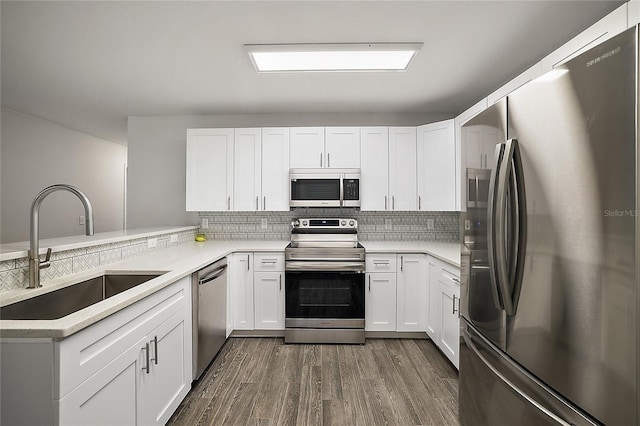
(89, 65)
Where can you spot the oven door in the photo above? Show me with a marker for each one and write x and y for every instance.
(324, 299)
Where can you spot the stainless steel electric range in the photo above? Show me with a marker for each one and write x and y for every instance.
(324, 282)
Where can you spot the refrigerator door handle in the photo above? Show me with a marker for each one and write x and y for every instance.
(491, 234)
(500, 233)
(469, 341)
(520, 223)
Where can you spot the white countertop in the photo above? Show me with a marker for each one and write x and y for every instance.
(10, 251)
(177, 262)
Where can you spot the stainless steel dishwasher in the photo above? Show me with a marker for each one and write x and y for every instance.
(209, 292)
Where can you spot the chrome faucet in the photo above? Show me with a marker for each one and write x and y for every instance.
(35, 264)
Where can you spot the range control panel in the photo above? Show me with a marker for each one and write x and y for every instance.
(324, 224)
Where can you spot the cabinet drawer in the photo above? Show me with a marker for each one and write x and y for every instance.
(268, 262)
(86, 352)
(385, 262)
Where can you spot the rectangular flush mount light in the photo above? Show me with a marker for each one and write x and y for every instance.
(332, 57)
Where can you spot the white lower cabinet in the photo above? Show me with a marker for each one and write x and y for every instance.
(411, 292)
(132, 367)
(380, 301)
(241, 283)
(268, 286)
(443, 319)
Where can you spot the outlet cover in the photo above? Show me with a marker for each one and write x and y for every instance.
(174, 238)
(152, 242)
(467, 225)
(263, 223)
(81, 220)
(430, 224)
(388, 225)
(204, 223)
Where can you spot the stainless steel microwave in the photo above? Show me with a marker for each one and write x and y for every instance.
(324, 187)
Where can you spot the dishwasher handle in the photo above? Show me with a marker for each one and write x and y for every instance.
(213, 275)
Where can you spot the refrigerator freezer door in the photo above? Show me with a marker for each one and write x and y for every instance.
(576, 323)
(495, 391)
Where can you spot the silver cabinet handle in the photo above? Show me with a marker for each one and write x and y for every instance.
(380, 262)
(228, 203)
(401, 263)
(248, 263)
(264, 203)
(385, 202)
(269, 261)
(369, 283)
(320, 159)
(280, 281)
(419, 202)
(328, 160)
(456, 279)
(155, 350)
(146, 349)
(454, 305)
(257, 203)
(393, 202)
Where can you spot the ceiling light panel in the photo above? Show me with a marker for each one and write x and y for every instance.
(332, 57)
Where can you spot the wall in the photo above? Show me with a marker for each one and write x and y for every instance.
(372, 226)
(156, 155)
(35, 154)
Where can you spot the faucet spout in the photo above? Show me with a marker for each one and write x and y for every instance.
(35, 264)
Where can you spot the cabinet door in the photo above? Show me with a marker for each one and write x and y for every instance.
(342, 147)
(434, 316)
(412, 292)
(402, 168)
(436, 167)
(241, 280)
(209, 169)
(450, 304)
(473, 146)
(109, 397)
(168, 379)
(374, 161)
(275, 169)
(380, 302)
(306, 148)
(247, 150)
(269, 300)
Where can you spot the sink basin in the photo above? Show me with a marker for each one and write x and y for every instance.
(65, 301)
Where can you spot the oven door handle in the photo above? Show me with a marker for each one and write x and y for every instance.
(327, 266)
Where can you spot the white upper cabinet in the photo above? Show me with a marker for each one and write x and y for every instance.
(402, 168)
(342, 147)
(307, 148)
(633, 13)
(461, 160)
(437, 167)
(209, 169)
(275, 169)
(374, 168)
(247, 154)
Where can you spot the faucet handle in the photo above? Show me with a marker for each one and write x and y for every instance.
(46, 263)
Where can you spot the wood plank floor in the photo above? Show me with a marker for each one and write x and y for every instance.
(262, 381)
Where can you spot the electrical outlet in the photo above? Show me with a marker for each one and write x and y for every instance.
(152, 242)
(467, 225)
(204, 223)
(430, 224)
(388, 225)
(264, 223)
(81, 220)
(174, 238)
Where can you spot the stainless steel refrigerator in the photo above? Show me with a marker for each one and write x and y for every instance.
(549, 285)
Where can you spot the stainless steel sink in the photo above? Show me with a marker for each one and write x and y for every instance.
(65, 301)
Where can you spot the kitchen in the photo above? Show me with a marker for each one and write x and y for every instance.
(155, 152)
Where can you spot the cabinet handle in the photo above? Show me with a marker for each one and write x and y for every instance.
(481, 157)
(264, 203)
(320, 159)
(419, 202)
(454, 305)
(268, 261)
(146, 349)
(369, 283)
(248, 263)
(280, 281)
(456, 279)
(380, 262)
(385, 202)
(228, 203)
(257, 203)
(155, 350)
(401, 263)
(328, 160)
(393, 202)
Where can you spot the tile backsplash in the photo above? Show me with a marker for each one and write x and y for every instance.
(14, 274)
(372, 226)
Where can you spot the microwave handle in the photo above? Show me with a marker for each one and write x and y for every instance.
(321, 160)
(341, 188)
